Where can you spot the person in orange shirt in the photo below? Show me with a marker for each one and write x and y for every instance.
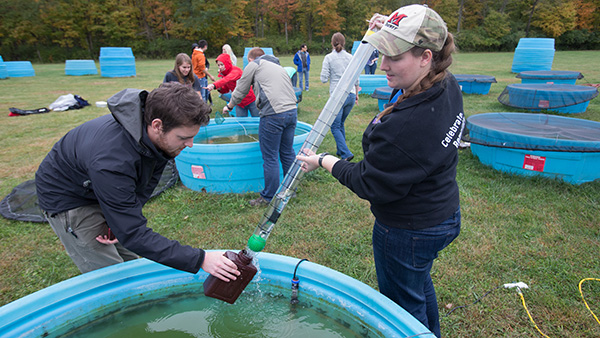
(199, 66)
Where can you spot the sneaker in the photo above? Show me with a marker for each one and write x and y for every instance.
(260, 201)
(350, 158)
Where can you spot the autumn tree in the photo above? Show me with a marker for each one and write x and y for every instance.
(282, 12)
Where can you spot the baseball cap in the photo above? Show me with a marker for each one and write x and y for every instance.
(407, 27)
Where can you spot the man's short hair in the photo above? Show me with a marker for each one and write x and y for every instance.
(255, 53)
(176, 105)
(302, 46)
(202, 43)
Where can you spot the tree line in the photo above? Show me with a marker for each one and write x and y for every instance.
(56, 30)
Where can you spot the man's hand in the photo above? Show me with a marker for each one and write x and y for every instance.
(226, 110)
(105, 239)
(220, 266)
(210, 87)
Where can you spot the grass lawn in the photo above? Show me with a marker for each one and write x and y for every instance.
(542, 232)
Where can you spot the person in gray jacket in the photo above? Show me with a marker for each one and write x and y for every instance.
(276, 100)
(96, 179)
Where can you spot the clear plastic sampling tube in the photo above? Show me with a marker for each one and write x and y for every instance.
(258, 240)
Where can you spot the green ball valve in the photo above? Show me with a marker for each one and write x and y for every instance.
(256, 243)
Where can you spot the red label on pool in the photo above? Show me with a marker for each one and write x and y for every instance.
(198, 172)
(533, 162)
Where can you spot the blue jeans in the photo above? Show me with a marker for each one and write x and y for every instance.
(204, 92)
(403, 260)
(243, 111)
(276, 140)
(304, 73)
(338, 130)
(371, 69)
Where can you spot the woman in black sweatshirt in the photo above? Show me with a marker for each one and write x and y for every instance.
(408, 173)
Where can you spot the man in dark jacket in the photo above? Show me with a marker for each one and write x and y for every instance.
(96, 179)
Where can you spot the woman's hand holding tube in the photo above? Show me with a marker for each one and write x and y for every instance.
(312, 161)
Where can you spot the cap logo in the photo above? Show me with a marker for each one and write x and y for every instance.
(396, 18)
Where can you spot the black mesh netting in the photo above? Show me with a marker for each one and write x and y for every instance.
(22, 203)
(534, 132)
(545, 96)
(550, 75)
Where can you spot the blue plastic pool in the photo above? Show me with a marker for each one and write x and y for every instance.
(19, 68)
(475, 83)
(117, 62)
(3, 71)
(73, 303)
(382, 94)
(550, 77)
(369, 82)
(537, 145)
(533, 54)
(229, 167)
(562, 98)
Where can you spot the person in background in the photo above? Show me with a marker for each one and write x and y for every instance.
(230, 75)
(408, 173)
(199, 66)
(97, 178)
(334, 65)
(227, 50)
(371, 65)
(182, 73)
(276, 100)
(302, 61)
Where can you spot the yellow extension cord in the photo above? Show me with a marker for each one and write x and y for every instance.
(586, 304)
(582, 297)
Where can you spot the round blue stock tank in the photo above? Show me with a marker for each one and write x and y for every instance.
(561, 98)
(475, 83)
(228, 167)
(383, 95)
(529, 144)
(76, 303)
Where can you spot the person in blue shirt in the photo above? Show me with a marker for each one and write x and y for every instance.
(302, 61)
(371, 65)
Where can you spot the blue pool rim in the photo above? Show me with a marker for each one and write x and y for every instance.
(77, 301)
(572, 161)
(231, 167)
